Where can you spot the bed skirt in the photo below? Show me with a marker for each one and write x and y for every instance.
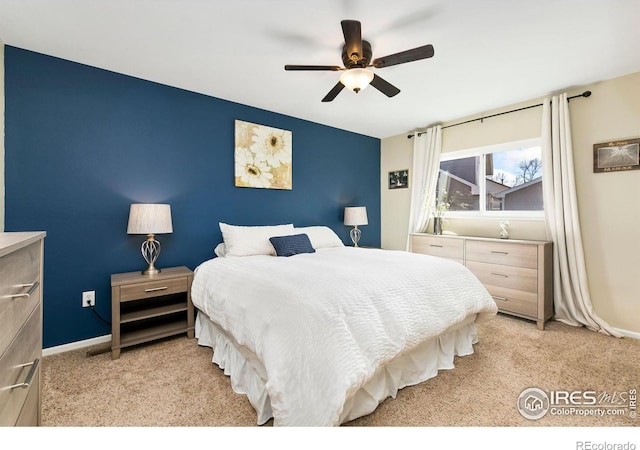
(248, 376)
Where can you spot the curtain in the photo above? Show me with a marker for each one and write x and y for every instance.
(427, 146)
(572, 301)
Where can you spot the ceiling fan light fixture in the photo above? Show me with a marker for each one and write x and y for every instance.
(356, 79)
(356, 56)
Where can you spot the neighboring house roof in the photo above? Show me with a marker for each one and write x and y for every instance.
(492, 186)
(472, 186)
(528, 184)
(465, 168)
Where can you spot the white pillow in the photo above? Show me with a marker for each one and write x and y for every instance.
(321, 236)
(220, 250)
(248, 241)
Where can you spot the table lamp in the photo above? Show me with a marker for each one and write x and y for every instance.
(150, 219)
(354, 216)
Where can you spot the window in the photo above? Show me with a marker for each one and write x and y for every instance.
(502, 180)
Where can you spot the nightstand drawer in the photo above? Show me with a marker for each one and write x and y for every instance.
(518, 255)
(517, 278)
(150, 289)
(438, 246)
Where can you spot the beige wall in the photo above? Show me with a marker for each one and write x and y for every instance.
(609, 203)
(396, 153)
(1, 136)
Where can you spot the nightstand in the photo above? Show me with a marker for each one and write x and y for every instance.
(149, 307)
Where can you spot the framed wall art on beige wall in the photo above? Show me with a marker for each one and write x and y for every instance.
(399, 179)
(616, 156)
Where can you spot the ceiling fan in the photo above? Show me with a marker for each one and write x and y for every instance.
(356, 56)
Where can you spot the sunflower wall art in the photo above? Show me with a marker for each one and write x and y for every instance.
(262, 156)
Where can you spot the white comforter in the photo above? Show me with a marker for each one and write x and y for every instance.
(321, 323)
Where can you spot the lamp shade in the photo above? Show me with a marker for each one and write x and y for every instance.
(149, 218)
(355, 215)
(356, 79)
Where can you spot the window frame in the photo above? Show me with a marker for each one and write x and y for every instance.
(482, 213)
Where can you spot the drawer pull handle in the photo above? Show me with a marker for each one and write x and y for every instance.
(27, 381)
(157, 289)
(500, 275)
(502, 299)
(434, 245)
(32, 288)
(499, 253)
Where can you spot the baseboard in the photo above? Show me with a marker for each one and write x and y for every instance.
(627, 333)
(107, 338)
(76, 345)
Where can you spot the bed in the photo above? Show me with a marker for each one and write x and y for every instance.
(316, 333)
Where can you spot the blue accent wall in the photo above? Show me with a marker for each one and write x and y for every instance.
(82, 144)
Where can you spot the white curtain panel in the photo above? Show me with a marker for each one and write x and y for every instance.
(427, 146)
(571, 290)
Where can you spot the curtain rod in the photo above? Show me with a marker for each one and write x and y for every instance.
(584, 94)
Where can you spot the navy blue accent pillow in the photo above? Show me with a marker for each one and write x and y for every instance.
(292, 245)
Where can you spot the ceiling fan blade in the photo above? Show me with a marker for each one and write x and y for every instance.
(353, 39)
(384, 86)
(333, 93)
(415, 54)
(302, 67)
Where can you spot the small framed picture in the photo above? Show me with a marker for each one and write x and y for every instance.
(399, 179)
(616, 156)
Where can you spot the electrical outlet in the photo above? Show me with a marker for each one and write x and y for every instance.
(88, 298)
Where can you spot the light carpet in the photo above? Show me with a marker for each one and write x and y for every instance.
(173, 383)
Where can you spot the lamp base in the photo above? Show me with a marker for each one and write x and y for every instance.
(150, 251)
(151, 271)
(355, 235)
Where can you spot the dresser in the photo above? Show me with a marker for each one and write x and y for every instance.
(21, 263)
(517, 273)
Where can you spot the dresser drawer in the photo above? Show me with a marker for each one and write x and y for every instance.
(30, 413)
(438, 246)
(20, 364)
(517, 278)
(19, 290)
(515, 301)
(151, 289)
(510, 254)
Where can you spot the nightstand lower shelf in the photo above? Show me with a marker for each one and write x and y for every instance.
(148, 309)
(153, 332)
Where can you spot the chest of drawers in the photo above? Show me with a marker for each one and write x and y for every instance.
(20, 327)
(517, 273)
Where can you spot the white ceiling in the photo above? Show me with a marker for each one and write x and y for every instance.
(488, 53)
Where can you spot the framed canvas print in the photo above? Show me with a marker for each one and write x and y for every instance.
(616, 156)
(399, 179)
(262, 156)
